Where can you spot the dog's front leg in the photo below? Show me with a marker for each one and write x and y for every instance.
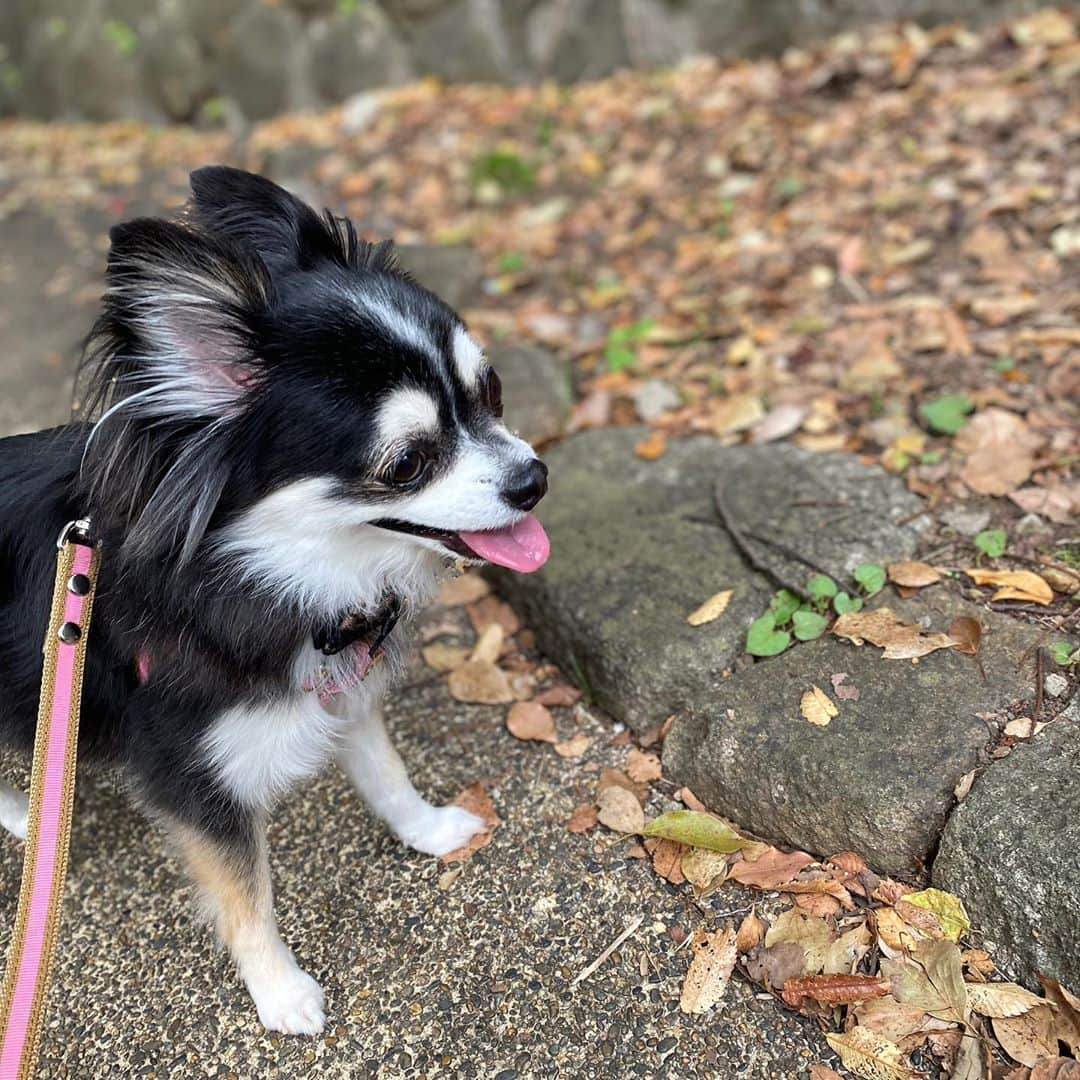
(378, 774)
(233, 876)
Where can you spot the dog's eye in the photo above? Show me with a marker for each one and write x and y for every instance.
(408, 467)
(492, 391)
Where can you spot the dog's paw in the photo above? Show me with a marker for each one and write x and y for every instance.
(438, 830)
(14, 810)
(290, 1001)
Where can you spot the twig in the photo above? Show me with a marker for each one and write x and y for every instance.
(631, 927)
(908, 518)
(1038, 685)
(736, 534)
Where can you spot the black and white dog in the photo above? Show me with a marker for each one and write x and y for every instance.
(293, 441)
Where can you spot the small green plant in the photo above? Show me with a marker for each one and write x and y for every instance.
(783, 605)
(788, 188)
(991, 542)
(621, 349)
(348, 7)
(808, 625)
(843, 604)
(763, 638)
(947, 414)
(1003, 364)
(511, 262)
(821, 587)
(120, 36)
(1064, 654)
(871, 577)
(510, 171)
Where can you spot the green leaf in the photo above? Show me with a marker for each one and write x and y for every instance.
(947, 414)
(809, 625)
(783, 605)
(992, 542)
(1063, 654)
(619, 357)
(821, 587)
(511, 262)
(842, 603)
(871, 577)
(763, 639)
(698, 830)
(948, 908)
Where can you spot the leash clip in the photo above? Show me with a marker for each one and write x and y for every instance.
(77, 531)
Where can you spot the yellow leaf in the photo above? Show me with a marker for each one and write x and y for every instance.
(948, 908)
(869, 1055)
(817, 706)
(1001, 999)
(1014, 585)
(653, 446)
(713, 608)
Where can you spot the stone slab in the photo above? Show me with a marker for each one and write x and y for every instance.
(879, 779)
(451, 271)
(536, 390)
(1011, 851)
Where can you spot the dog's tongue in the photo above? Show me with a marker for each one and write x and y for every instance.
(524, 546)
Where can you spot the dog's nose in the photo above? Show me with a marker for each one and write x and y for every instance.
(527, 485)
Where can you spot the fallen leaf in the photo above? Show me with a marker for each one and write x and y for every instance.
(558, 695)
(817, 707)
(948, 908)
(970, 1062)
(771, 870)
(1022, 727)
(778, 423)
(443, 657)
(1057, 503)
(710, 970)
(869, 1055)
(712, 609)
(619, 810)
(963, 785)
(1001, 451)
(653, 446)
(1067, 1016)
(642, 766)
(1028, 1037)
(967, 633)
(491, 609)
(900, 641)
(771, 967)
(913, 575)
(615, 778)
(481, 683)
(489, 644)
(932, 979)
(895, 1021)
(751, 932)
(834, 989)
(1001, 999)
(814, 935)
(690, 800)
(704, 869)
(1057, 1068)
(574, 747)
(842, 688)
(667, 858)
(583, 819)
(1014, 585)
(527, 720)
(847, 950)
(477, 801)
(696, 830)
(823, 1072)
(736, 414)
(466, 589)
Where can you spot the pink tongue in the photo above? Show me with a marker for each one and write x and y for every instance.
(524, 546)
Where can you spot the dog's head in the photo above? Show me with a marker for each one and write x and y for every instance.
(271, 385)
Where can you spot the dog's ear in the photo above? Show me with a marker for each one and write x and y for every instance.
(183, 306)
(285, 232)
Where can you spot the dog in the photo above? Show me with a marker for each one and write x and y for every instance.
(287, 442)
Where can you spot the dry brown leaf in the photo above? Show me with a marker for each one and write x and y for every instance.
(834, 989)
(615, 778)
(642, 766)
(847, 950)
(481, 683)
(667, 856)
(442, 657)
(1057, 1068)
(712, 609)
(1014, 585)
(1059, 503)
(619, 810)
(913, 575)
(447, 878)
(691, 801)
(823, 1072)
(489, 644)
(477, 801)
(751, 932)
(710, 970)
(779, 423)
(812, 934)
(967, 633)
(1001, 999)
(979, 964)
(773, 966)
(869, 1055)
(736, 414)
(705, 870)
(1001, 451)
(558, 695)
(900, 641)
(895, 935)
(466, 589)
(1028, 1037)
(844, 690)
(491, 609)
(817, 707)
(896, 1021)
(963, 785)
(822, 886)
(574, 747)
(1067, 1014)
(824, 907)
(583, 819)
(1061, 581)
(770, 870)
(527, 720)
(653, 446)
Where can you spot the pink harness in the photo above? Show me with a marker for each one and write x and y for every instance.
(52, 790)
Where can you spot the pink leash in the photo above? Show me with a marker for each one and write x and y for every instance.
(25, 991)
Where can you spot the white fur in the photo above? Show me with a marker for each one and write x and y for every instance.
(468, 358)
(372, 303)
(405, 414)
(14, 807)
(286, 997)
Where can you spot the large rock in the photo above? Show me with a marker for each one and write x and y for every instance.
(354, 51)
(802, 513)
(465, 41)
(635, 548)
(175, 69)
(536, 390)
(880, 777)
(257, 65)
(1010, 852)
(451, 271)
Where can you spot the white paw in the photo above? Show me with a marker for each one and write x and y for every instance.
(14, 808)
(289, 1000)
(437, 830)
